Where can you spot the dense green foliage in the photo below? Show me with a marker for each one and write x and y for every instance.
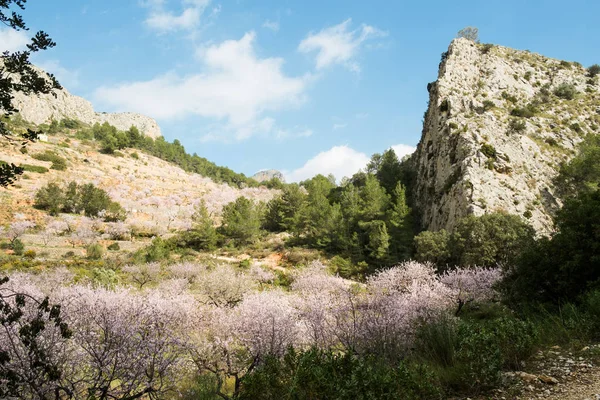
(203, 235)
(58, 162)
(582, 173)
(241, 221)
(565, 266)
(324, 375)
(364, 220)
(75, 198)
(489, 240)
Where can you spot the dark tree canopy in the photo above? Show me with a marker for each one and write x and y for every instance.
(17, 74)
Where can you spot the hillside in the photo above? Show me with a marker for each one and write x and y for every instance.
(157, 195)
(499, 124)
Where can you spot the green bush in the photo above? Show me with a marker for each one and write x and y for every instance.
(158, 250)
(529, 111)
(76, 198)
(241, 221)
(57, 161)
(517, 126)
(18, 247)
(31, 254)
(593, 70)
(69, 123)
(489, 151)
(95, 251)
(34, 168)
(488, 240)
(433, 247)
(114, 246)
(566, 91)
(326, 375)
(488, 105)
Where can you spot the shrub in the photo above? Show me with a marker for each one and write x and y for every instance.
(50, 198)
(566, 91)
(57, 161)
(69, 123)
(114, 246)
(18, 247)
(95, 251)
(593, 70)
(508, 97)
(489, 151)
(485, 48)
(34, 168)
(433, 247)
(516, 125)
(470, 32)
(488, 105)
(528, 111)
(31, 254)
(327, 375)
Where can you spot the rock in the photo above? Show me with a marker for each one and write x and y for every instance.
(473, 160)
(548, 380)
(267, 175)
(526, 377)
(43, 108)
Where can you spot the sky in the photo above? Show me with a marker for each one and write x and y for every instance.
(301, 86)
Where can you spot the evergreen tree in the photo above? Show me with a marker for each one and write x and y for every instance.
(400, 225)
(203, 235)
(389, 171)
(241, 221)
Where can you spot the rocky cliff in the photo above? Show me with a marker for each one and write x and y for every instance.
(498, 125)
(42, 109)
(267, 175)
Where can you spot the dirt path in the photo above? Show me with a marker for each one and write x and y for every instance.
(556, 374)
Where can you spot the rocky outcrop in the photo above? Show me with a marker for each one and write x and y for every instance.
(267, 175)
(42, 109)
(498, 125)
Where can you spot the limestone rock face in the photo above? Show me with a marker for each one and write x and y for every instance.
(41, 109)
(267, 175)
(496, 132)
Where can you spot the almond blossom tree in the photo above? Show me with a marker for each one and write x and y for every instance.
(224, 286)
(17, 228)
(472, 284)
(144, 273)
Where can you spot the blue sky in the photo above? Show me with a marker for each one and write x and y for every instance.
(301, 86)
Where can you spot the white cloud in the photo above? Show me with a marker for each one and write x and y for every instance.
(362, 115)
(67, 78)
(163, 20)
(402, 150)
(272, 25)
(12, 40)
(339, 126)
(340, 161)
(234, 87)
(338, 44)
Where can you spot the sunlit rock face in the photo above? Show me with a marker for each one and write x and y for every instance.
(497, 128)
(43, 108)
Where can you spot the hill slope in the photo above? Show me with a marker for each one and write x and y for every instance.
(499, 123)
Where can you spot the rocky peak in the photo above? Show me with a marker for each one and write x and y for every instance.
(267, 175)
(42, 109)
(499, 123)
